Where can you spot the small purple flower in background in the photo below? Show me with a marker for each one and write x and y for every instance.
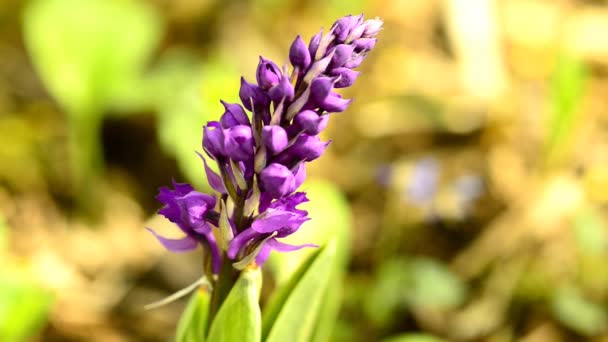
(424, 181)
(468, 189)
(261, 160)
(384, 174)
(423, 188)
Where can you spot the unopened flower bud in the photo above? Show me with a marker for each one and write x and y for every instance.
(365, 44)
(275, 138)
(212, 139)
(307, 147)
(354, 61)
(250, 92)
(334, 103)
(320, 88)
(372, 27)
(268, 74)
(343, 26)
(311, 122)
(277, 180)
(342, 53)
(346, 77)
(313, 46)
(299, 56)
(234, 115)
(282, 90)
(238, 142)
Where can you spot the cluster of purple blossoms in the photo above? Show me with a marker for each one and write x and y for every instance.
(261, 161)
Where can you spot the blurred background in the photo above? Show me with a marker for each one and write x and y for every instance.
(469, 177)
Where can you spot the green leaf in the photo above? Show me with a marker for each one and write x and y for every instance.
(568, 86)
(419, 282)
(578, 313)
(239, 318)
(24, 307)
(590, 231)
(330, 307)
(191, 326)
(279, 297)
(293, 316)
(433, 285)
(87, 51)
(389, 291)
(414, 338)
(330, 219)
(188, 95)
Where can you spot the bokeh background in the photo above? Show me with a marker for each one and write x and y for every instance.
(470, 176)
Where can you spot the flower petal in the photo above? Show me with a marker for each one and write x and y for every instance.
(202, 228)
(263, 254)
(184, 244)
(215, 181)
(240, 241)
(283, 247)
(216, 258)
(274, 220)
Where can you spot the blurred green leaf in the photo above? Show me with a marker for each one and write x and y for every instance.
(576, 312)
(590, 232)
(568, 87)
(191, 326)
(239, 318)
(414, 338)
(87, 51)
(330, 219)
(388, 294)
(280, 295)
(293, 312)
(23, 307)
(419, 282)
(187, 97)
(433, 285)
(330, 308)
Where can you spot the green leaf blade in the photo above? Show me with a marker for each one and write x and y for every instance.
(298, 316)
(191, 326)
(239, 318)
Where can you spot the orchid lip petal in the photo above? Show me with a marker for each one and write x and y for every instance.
(240, 241)
(264, 253)
(216, 259)
(274, 220)
(203, 228)
(284, 247)
(184, 244)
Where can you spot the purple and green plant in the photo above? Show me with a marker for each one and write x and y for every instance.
(261, 147)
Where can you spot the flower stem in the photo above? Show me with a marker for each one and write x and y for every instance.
(225, 281)
(228, 275)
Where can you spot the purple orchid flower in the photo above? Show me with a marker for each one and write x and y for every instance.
(279, 219)
(261, 156)
(192, 212)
